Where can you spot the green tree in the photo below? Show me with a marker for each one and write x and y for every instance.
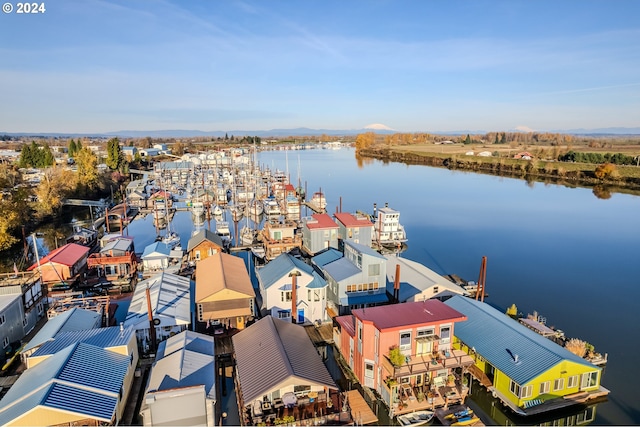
(71, 148)
(503, 139)
(78, 145)
(467, 140)
(114, 154)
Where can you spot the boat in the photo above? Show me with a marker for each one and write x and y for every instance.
(463, 417)
(255, 208)
(247, 235)
(237, 212)
(197, 209)
(217, 211)
(258, 251)
(83, 236)
(271, 207)
(388, 230)
(417, 418)
(292, 206)
(222, 229)
(318, 202)
(171, 239)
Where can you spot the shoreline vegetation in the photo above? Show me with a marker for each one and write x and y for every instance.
(536, 166)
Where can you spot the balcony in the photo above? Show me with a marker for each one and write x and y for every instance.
(422, 363)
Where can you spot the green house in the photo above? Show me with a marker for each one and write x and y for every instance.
(526, 371)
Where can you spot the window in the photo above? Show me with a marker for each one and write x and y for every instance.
(558, 384)
(301, 388)
(25, 321)
(368, 370)
(526, 391)
(284, 314)
(316, 295)
(405, 342)
(5, 342)
(424, 340)
(285, 296)
(545, 387)
(435, 290)
(374, 269)
(572, 381)
(590, 379)
(514, 388)
(445, 334)
(2, 319)
(197, 254)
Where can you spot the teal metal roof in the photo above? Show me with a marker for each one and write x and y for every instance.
(363, 249)
(75, 379)
(100, 337)
(326, 257)
(341, 269)
(156, 248)
(281, 266)
(76, 319)
(509, 346)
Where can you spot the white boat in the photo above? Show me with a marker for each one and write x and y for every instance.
(222, 229)
(171, 239)
(258, 251)
(388, 230)
(292, 206)
(237, 212)
(271, 207)
(247, 235)
(217, 211)
(318, 202)
(255, 208)
(197, 209)
(417, 418)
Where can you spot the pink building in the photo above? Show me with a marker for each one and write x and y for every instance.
(404, 351)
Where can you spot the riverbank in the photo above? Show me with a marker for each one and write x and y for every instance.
(555, 172)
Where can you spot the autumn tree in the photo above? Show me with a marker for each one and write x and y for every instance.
(87, 170)
(9, 221)
(606, 170)
(55, 186)
(365, 140)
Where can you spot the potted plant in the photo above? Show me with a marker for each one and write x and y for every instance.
(451, 380)
(420, 396)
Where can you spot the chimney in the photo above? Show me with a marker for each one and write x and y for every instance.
(294, 296)
(396, 285)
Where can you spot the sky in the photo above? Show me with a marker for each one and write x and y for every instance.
(91, 66)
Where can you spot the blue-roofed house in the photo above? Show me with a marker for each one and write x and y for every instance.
(417, 282)
(526, 371)
(276, 285)
(156, 256)
(170, 297)
(182, 385)
(71, 387)
(129, 152)
(75, 319)
(356, 280)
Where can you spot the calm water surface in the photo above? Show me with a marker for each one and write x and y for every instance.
(561, 251)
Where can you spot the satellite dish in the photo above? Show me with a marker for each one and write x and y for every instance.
(156, 322)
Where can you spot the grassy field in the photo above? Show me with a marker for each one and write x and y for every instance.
(542, 155)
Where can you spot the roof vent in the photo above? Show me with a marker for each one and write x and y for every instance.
(514, 357)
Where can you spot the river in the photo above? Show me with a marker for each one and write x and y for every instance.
(569, 255)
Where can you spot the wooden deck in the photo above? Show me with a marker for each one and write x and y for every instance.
(320, 335)
(361, 413)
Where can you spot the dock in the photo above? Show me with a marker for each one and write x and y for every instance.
(361, 413)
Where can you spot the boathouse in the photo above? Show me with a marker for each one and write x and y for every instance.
(319, 232)
(276, 280)
(526, 371)
(182, 385)
(224, 294)
(404, 352)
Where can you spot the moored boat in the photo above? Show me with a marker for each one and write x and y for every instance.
(417, 418)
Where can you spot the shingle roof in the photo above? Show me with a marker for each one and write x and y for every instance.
(76, 319)
(222, 271)
(271, 351)
(201, 236)
(73, 380)
(67, 255)
(494, 335)
(409, 313)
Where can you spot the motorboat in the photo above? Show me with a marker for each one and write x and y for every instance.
(417, 418)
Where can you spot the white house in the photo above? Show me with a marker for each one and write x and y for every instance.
(276, 289)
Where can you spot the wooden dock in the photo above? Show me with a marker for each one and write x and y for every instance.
(361, 413)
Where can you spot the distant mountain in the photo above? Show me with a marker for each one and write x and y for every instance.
(279, 133)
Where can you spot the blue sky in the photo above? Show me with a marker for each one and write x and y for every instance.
(102, 65)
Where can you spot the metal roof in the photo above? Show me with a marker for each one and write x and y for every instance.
(320, 222)
(326, 257)
(73, 380)
(279, 267)
(499, 339)
(220, 272)
(349, 220)
(100, 337)
(76, 319)
(201, 236)
(7, 300)
(190, 361)
(170, 296)
(118, 244)
(409, 314)
(271, 351)
(366, 298)
(341, 269)
(363, 249)
(156, 248)
(415, 278)
(67, 255)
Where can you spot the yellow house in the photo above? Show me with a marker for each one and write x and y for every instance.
(224, 293)
(526, 371)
